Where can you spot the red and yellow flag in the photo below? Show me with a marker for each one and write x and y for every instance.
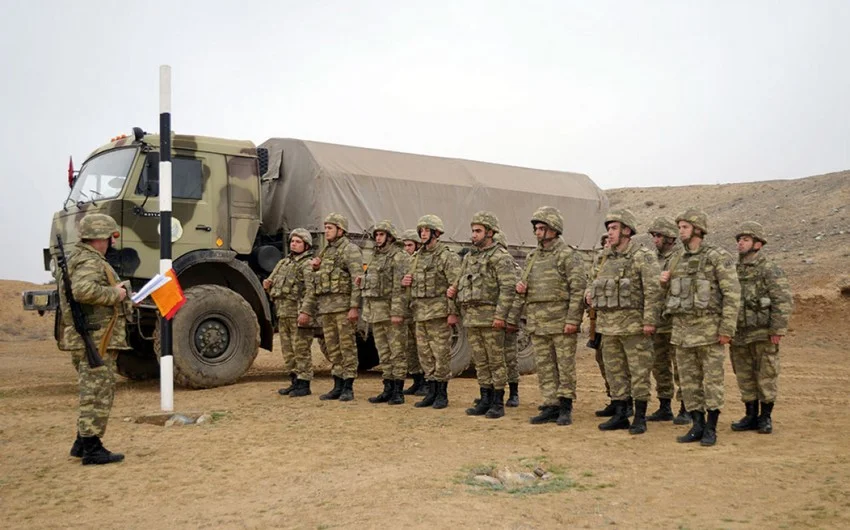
(169, 298)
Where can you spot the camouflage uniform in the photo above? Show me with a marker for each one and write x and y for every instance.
(410, 354)
(511, 352)
(766, 307)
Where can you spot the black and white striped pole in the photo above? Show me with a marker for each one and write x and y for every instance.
(166, 362)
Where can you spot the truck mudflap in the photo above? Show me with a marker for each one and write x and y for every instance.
(40, 301)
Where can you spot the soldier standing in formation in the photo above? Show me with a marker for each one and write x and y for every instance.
(433, 270)
(95, 286)
(385, 306)
(552, 287)
(336, 299)
(627, 297)
(287, 284)
(665, 233)
(511, 331)
(766, 306)
(410, 239)
(703, 296)
(485, 291)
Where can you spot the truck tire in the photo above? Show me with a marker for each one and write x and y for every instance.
(137, 367)
(216, 337)
(526, 361)
(461, 354)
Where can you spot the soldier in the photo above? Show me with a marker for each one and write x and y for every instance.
(485, 291)
(287, 285)
(511, 331)
(336, 299)
(96, 287)
(627, 297)
(552, 285)
(434, 268)
(664, 234)
(595, 340)
(410, 239)
(703, 296)
(766, 306)
(385, 306)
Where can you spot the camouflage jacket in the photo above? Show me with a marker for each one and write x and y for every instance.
(433, 271)
(92, 281)
(766, 301)
(333, 289)
(665, 323)
(626, 291)
(290, 279)
(703, 296)
(486, 287)
(383, 294)
(556, 280)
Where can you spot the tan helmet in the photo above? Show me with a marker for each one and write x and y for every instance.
(337, 219)
(303, 235)
(98, 226)
(551, 216)
(486, 219)
(664, 226)
(431, 221)
(754, 230)
(499, 239)
(410, 235)
(697, 218)
(603, 239)
(625, 217)
(385, 226)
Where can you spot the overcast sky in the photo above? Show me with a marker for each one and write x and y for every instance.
(631, 93)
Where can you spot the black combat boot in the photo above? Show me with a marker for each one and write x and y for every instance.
(302, 388)
(765, 422)
(696, 432)
(397, 397)
(513, 395)
(497, 406)
(709, 434)
(418, 382)
(608, 411)
(429, 397)
(750, 421)
(335, 392)
(482, 404)
(442, 399)
(630, 409)
(347, 390)
(548, 414)
(95, 453)
(384, 396)
(565, 411)
(619, 420)
(683, 417)
(664, 412)
(286, 390)
(77, 448)
(639, 423)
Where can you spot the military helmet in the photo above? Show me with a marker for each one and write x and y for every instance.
(625, 217)
(431, 221)
(664, 226)
(486, 219)
(550, 216)
(697, 218)
(337, 219)
(603, 239)
(385, 226)
(410, 235)
(98, 226)
(499, 239)
(303, 235)
(754, 230)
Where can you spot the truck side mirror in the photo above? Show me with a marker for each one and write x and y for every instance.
(150, 173)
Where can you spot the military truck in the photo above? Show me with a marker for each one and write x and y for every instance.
(234, 204)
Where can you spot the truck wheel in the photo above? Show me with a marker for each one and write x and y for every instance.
(136, 367)
(216, 337)
(526, 361)
(461, 354)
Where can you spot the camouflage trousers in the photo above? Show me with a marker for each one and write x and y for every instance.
(434, 343)
(628, 362)
(410, 353)
(511, 361)
(664, 368)
(701, 374)
(756, 366)
(340, 343)
(391, 341)
(488, 352)
(295, 345)
(601, 363)
(97, 390)
(556, 366)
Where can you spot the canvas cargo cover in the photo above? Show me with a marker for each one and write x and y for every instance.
(307, 180)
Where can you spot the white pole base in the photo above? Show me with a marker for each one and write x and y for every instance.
(166, 383)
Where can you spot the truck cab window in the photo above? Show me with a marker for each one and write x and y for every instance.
(187, 180)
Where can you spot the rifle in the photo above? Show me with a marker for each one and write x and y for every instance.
(595, 340)
(81, 324)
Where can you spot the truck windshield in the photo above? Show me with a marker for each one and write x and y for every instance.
(103, 176)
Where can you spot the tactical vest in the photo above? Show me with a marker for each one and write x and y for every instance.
(755, 297)
(289, 282)
(617, 285)
(333, 276)
(429, 281)
(478, 282)
(691, 292)
(378, 278)
(545, 282)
